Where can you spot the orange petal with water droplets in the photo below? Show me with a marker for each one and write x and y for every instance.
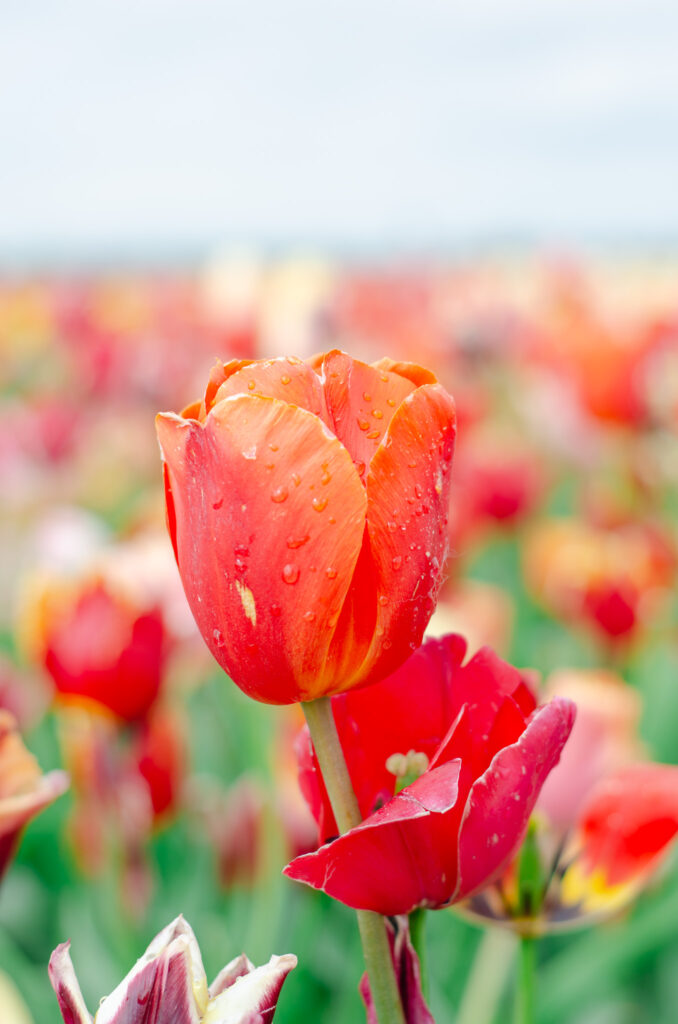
(267, 540)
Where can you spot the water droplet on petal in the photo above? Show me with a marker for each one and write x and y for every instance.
(296, 479)
(383, 599)
(387, 645)
(378, 414)
(297, 542)
(276, 611)
(325, 478)
(397, 561)
(274, 447)
(391, 526)
(360, 467)
(373, 434)
(331, 520)
(391, 402)
(319, 504)
(418, 491)
(279, 494)
(218, 637)
(363, 424)
(285, 379)
(242, 550)
(240, 566)
(309, 616)
(290, 573)
(367, 396)
(384, 377)
(251, 385)
(331, 573)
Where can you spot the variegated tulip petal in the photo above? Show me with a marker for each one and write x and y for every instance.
(252, 997)
(229, 974)
(159, 987)
(66, 987)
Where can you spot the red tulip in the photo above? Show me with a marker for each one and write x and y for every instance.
(307, 506)
(384, 720)
(101, 648)
(457, 826)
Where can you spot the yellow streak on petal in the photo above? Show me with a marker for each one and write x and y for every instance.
(247, 598)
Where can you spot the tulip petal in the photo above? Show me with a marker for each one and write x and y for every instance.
(233, 490)
(394, 860)
(66, 987)
(407, 502)
(252, 997)
(629, 821)
(362, 401)
(418, 375)
(17, 810)
(159, 987)
(288, 379)
(229, 974)
(501, 800)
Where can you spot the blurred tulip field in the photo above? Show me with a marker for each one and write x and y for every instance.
(138, 783)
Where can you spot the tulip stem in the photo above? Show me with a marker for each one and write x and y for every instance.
(527, 963)
(372, 927)
(418, 937)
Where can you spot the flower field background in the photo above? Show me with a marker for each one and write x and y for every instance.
(183, 794)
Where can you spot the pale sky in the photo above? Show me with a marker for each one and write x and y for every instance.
(160, 124)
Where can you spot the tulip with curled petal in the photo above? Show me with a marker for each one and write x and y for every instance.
(167, 985)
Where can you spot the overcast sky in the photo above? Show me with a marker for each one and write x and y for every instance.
(166, 123)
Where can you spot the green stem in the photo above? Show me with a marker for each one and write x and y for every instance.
(487, 978)
(418, 937)
(372, 927)
(527, 963)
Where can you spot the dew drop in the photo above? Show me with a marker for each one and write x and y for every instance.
(276, 611)
(218, 637)
(397, 561)
(360, 467)
(279, 495)
(390, 401)
(297, 542)
(411, 465)
(392, 526)
(378, 414)
(363, 424)
(296, 479)
(325, 478)
(383, 599)
(331, 573)
(251, 385)
(309, 616)
(285, 379)
(418, 491)
(331, 520)
(274, 447)
(270, 465)
(367, 396)
(384, 377)
(240, 566)
(373, 434)
(319, 504)
(387, 645)
(290, 573)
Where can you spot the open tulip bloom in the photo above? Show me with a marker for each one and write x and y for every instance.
(307, 506)
(456, 827)
(168, 986)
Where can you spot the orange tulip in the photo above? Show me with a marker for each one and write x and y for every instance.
(307, 505)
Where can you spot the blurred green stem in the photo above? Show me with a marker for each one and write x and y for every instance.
(418, 936)
(488, 977)
(374, 938)
(527, 962)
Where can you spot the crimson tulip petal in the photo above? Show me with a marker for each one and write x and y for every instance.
(66, 987)
(287, 379)
(501, 800)
(408, 484)
(418, 375)
(389, 862)
(234, 490)
(362, 401)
